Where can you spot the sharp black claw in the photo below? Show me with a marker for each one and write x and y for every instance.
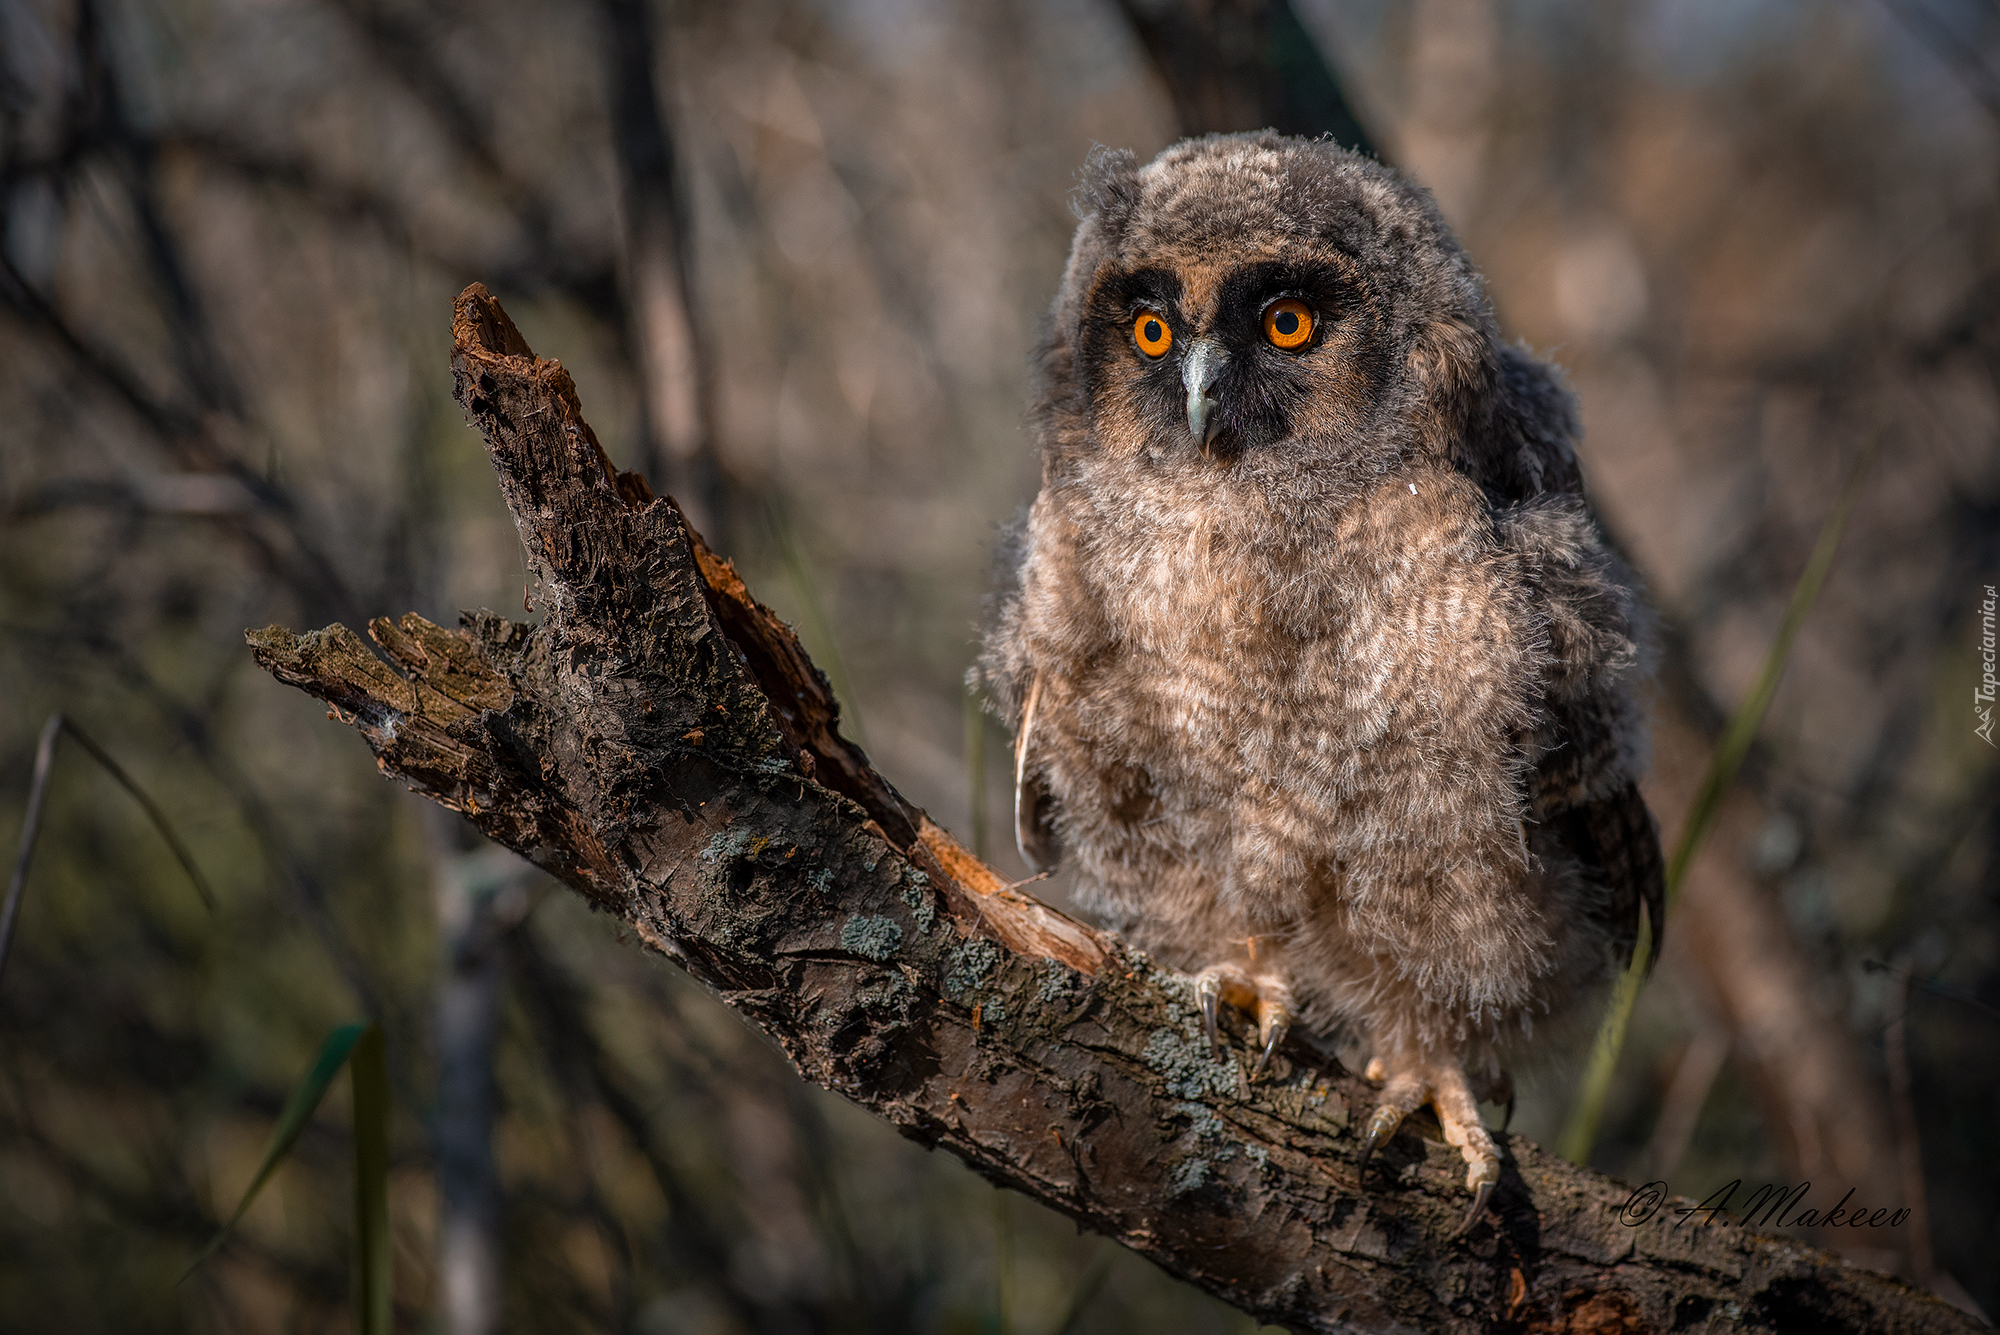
(1206, 997)
(1480, 1195)
(1380, 1127)
(1508, 1120)
(1271, 1041)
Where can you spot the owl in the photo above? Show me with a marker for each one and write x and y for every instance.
(1320, 672)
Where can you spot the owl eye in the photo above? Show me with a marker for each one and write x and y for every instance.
(1150, 332)
(1288, 323)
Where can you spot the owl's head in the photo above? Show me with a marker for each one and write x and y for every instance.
(1255, 300)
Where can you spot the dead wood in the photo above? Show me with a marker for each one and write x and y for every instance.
(661, 743)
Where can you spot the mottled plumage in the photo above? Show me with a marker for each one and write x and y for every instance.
(1319, 668)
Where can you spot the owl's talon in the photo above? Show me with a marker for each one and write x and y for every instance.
(1275, 1029)
(1264, 994)
(1208, 995)
(1508, 1120)
(1381, 1126)
(1481, 1194)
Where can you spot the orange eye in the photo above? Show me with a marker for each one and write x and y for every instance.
(1149, 330)
(1288, 323)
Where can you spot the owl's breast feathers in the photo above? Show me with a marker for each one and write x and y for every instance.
(1323, 646)
(1399, 721)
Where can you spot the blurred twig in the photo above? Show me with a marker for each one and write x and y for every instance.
(31, 827)
(38, 787)
(1900, 970)
(407, 49)
(673, 374)
(975, 770)
(559, 1013)
(1243, 65)
(1003, 1264)
(293, 872)
(481, 898)
(99, 127)
(152, 810)
(1958, 52)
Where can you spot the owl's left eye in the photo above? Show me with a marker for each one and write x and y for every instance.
(1288, 323)
(1150, 332)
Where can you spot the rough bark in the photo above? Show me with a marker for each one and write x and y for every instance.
(662, 744)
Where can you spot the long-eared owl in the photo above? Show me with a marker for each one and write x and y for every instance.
(1320, 671)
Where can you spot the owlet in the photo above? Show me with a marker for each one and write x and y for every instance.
(1320, 672)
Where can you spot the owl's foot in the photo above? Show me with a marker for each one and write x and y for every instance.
(1442, 1085)
(1264, 995)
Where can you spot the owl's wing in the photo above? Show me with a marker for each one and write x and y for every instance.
(1615, 839)
(1528, 447)
(1583, 789)
(1034, 804)
(1589, 742)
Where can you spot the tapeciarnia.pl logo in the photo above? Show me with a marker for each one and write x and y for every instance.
(1982, 694)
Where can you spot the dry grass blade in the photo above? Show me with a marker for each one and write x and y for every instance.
(152, 810)
(45, 754)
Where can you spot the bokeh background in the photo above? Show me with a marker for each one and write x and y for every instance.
(794, 253)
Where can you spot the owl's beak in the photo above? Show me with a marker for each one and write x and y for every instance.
(1199, 369)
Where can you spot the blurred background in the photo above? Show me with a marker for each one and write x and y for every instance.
(794, 253)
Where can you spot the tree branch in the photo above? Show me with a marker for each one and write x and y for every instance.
(662, 744)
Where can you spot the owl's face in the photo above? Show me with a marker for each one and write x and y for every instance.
(1232, 354)
(1250, 301)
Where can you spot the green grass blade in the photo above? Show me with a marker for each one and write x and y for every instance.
(1580, 1134)
(158, 817)
(298, 1111)
(369, 1076)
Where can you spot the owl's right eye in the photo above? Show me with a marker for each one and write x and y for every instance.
(1150, 332)
(1288, 323)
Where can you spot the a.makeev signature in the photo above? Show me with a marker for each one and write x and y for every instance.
(1773, 1205)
